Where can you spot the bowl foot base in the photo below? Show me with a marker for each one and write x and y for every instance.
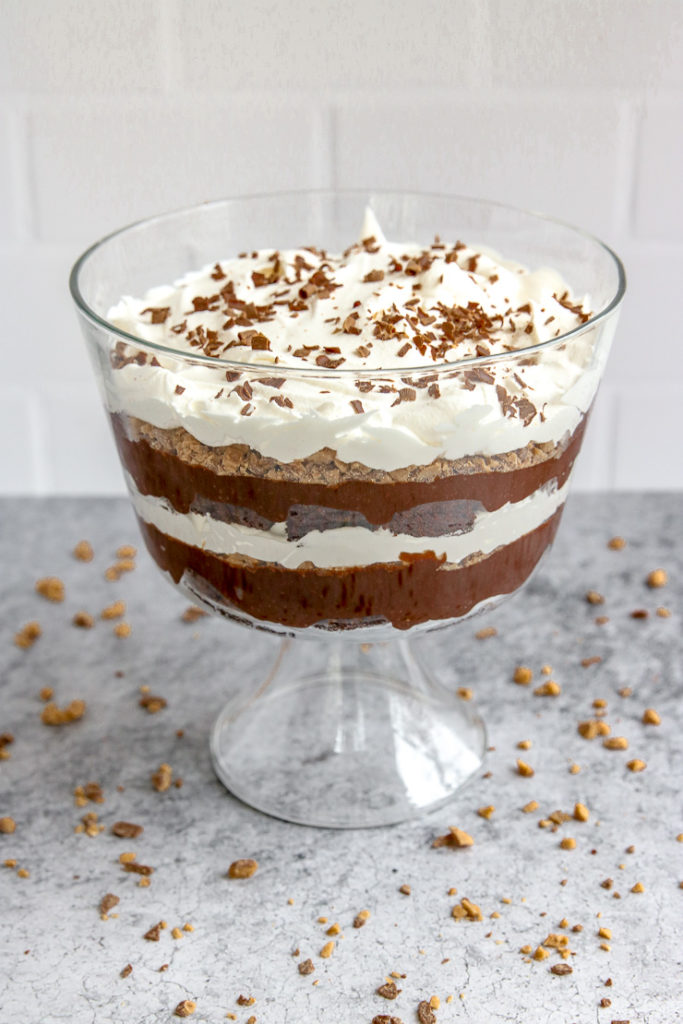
(347, 735)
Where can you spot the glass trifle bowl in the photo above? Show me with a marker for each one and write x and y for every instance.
(348, 444)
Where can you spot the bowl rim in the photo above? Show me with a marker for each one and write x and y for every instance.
(289, 370)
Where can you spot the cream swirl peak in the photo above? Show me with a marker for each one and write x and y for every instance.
(378, 305)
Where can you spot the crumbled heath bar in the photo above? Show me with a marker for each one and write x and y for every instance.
(28, 634)
(50, 587)
(243, 868)
(425, 1014)
(454, 837)
(83, 620)
(52, 715)
(615, 743)
(185, 1008)
(388, 990)
(405, 889)
(484, 634)
(108, 901)
(126, 551)
(154, 933)
(161, 778)
(549, 689)
(126, 830)
(113, 611)
(126, 971)
(561, 968)
(152, 704)
(594, 597)
(306, 967)
(83, 551)
(193, 613)
(467, 910)
(361, 918)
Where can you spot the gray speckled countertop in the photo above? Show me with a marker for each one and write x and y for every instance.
(59, 961)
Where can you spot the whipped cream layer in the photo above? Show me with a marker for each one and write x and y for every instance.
(349, 545)
(305, 325)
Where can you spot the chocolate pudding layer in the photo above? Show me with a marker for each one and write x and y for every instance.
(406, 593)
(233, 485)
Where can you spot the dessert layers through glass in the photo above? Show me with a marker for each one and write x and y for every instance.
(327, 543)
(345, 497)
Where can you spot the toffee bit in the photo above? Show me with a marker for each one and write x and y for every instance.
(388, 990)
(152, 704)
(616, 543)
(113, 611)
(53, 715)
(594, 597)
(484, 634)
(126, 971)
(83, 552)
(185, 1008)
(306, 967)
(83, 620)
(51, 588)
(108, 901)
(126, 830)
(405, 889)
(456, 837)
(27, 635)
(615, 743)
(657, 578)
(467, 910)
(522, 675)
(425, 1014)
(193, 613)
(524, 769)
(650, 717)
(243, 868)
(562, 968)
(154, 933)
(161, 778)
(361, 918)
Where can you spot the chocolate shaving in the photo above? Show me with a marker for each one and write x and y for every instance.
(372, 276)
(329, 364)
(159, 313)
(357, 406)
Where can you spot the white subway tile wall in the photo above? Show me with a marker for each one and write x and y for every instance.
(112, 110)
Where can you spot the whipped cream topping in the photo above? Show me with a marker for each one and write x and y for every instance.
(378, 306)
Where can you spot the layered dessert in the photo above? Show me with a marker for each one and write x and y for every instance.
(380, 436)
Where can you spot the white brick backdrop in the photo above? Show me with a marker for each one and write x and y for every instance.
(112, 110)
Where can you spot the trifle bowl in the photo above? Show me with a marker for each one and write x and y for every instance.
(340, 423)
